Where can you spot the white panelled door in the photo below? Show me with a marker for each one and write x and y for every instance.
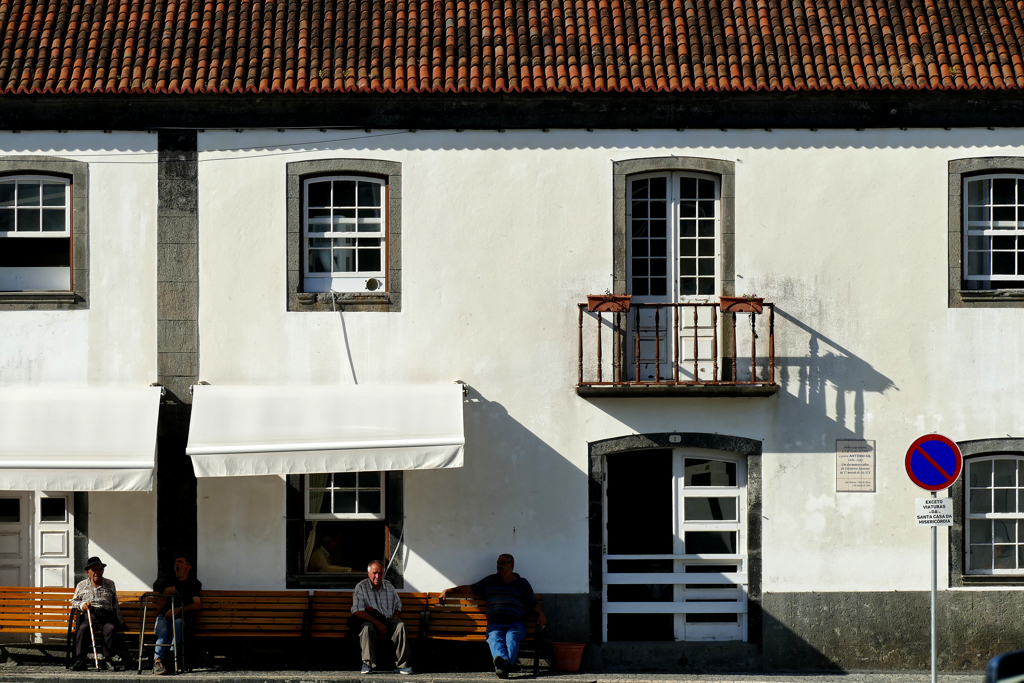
(53, 539)
(14, 538)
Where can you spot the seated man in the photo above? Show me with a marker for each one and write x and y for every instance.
(320, 560)
(508, 596)
(96, 597)
(188, 589)
(375, 601)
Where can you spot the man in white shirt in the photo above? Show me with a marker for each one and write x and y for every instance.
(320, 560)
(378, 605)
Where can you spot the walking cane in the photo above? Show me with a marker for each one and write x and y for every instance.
(92, 636)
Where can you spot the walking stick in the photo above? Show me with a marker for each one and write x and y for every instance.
(92, 636)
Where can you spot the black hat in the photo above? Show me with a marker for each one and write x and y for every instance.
(93, 561)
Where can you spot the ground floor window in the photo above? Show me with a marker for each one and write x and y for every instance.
(36, 539)
(994, 504)
(675, 564)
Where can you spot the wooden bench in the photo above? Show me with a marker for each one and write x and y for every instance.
(332, 609)
(465, 619)
(41, 612)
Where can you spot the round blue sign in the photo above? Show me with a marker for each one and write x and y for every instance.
(934, 462)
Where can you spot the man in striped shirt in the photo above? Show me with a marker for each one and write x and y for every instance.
(509, 597)
(375, 602)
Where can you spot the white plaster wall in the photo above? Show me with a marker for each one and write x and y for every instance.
(503, 233)
(241, 542)
(113, 343)
(122, 533)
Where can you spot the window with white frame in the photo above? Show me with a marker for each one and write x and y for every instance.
(35, 233)
(344, 234)
(993, 235)
(672, 223)
(345, 495)
(994, 514)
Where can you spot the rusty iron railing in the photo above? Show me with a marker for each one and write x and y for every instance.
(655, 344)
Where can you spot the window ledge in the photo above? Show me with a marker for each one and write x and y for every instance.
(992, 580)
(992, 294)
(335, 301)
(41, 299)
(676, 390)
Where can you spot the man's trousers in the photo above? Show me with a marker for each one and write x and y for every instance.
(396, 631)
(104, 631)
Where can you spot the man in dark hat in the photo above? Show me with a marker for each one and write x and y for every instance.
(96, 597)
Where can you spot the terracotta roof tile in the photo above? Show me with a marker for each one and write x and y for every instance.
(544, 46)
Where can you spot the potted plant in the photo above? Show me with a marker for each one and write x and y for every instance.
(748, 303)
(608, 302)
(568, 656)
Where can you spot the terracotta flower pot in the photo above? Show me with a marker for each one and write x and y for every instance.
(741, 304)
(568, 656)
(608, 303)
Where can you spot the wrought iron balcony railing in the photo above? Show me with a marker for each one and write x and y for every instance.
(677, 349)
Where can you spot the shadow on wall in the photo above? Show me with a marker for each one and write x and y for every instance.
(521, 489)
(831, 383)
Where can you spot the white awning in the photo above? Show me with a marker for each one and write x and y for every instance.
(254, 430)
(78, 438)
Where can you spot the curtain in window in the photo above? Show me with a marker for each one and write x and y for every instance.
(316, 498)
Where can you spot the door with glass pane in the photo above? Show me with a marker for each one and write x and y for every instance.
(674, 552)
(14, 539)
(672, 257)
(53, 539)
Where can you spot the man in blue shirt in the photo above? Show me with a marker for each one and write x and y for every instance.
(509, 597)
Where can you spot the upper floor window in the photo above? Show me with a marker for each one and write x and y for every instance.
(672, 221)
(35, 233)
(345, 495)
(993, 234)
(344, 234)
(994, 515)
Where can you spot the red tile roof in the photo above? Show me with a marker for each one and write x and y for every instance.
(539, 46)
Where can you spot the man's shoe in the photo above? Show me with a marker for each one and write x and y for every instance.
(403, 670)
(103, 665)
(501, 667)
(117, 665)
(78, 665)
(158, 668)
(367, 668)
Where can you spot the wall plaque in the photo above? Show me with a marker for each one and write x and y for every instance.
(855, 465)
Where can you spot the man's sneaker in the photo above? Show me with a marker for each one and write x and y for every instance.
(367, 668)
(158, 668)
(78, 665)
(501, 667)
(403, 670)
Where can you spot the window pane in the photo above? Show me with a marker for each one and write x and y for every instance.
(980, 557)
(1004, 557)
(1002, 242)
(319, 260)
(981, 473)
(706, 266)
(344, 501)
(659, 248)
(706, 189)
(53, 509)
(657, 209)
(688, 285)
(700, 472)
(324, 507)
(1004, 191)
(639, 286)
(369, 501)
(1004, 472)
(707, 247)
(659, 267)
(688, 266)
(53, 194)
(639, 209)
(687, 248)
(657, 228)
(6, 220)
(10, 510)
(688, 209)
(981, 500)
(705, 209)
(980, 531)
(28, 220)
(979, 213)
(369, 194)
(344, 260)
(706, 228)
(1004, 500)
(639, 267)
(977, 263)
(640, 248)
(345, 480)
(1006, 214)
(319, 194)
(369, 480)
(659, 286)
(639, 189)
(688, 188)
(977, 191)
(369, 260)
(319, 220)
(1003, 263)
(1004, 530)
(709, 509)
(687, 228)
(658, 188)
(28, 193)
(344, 193)
(53, 220)
(7, 193)
(709, 542)
(706, 285)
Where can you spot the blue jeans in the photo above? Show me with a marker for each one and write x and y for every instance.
(163, 635)
(504, 639)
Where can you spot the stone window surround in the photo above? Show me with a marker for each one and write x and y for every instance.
(958, 576)
(78, 172)
(389, 301)
(959, 297)
(636, 444)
